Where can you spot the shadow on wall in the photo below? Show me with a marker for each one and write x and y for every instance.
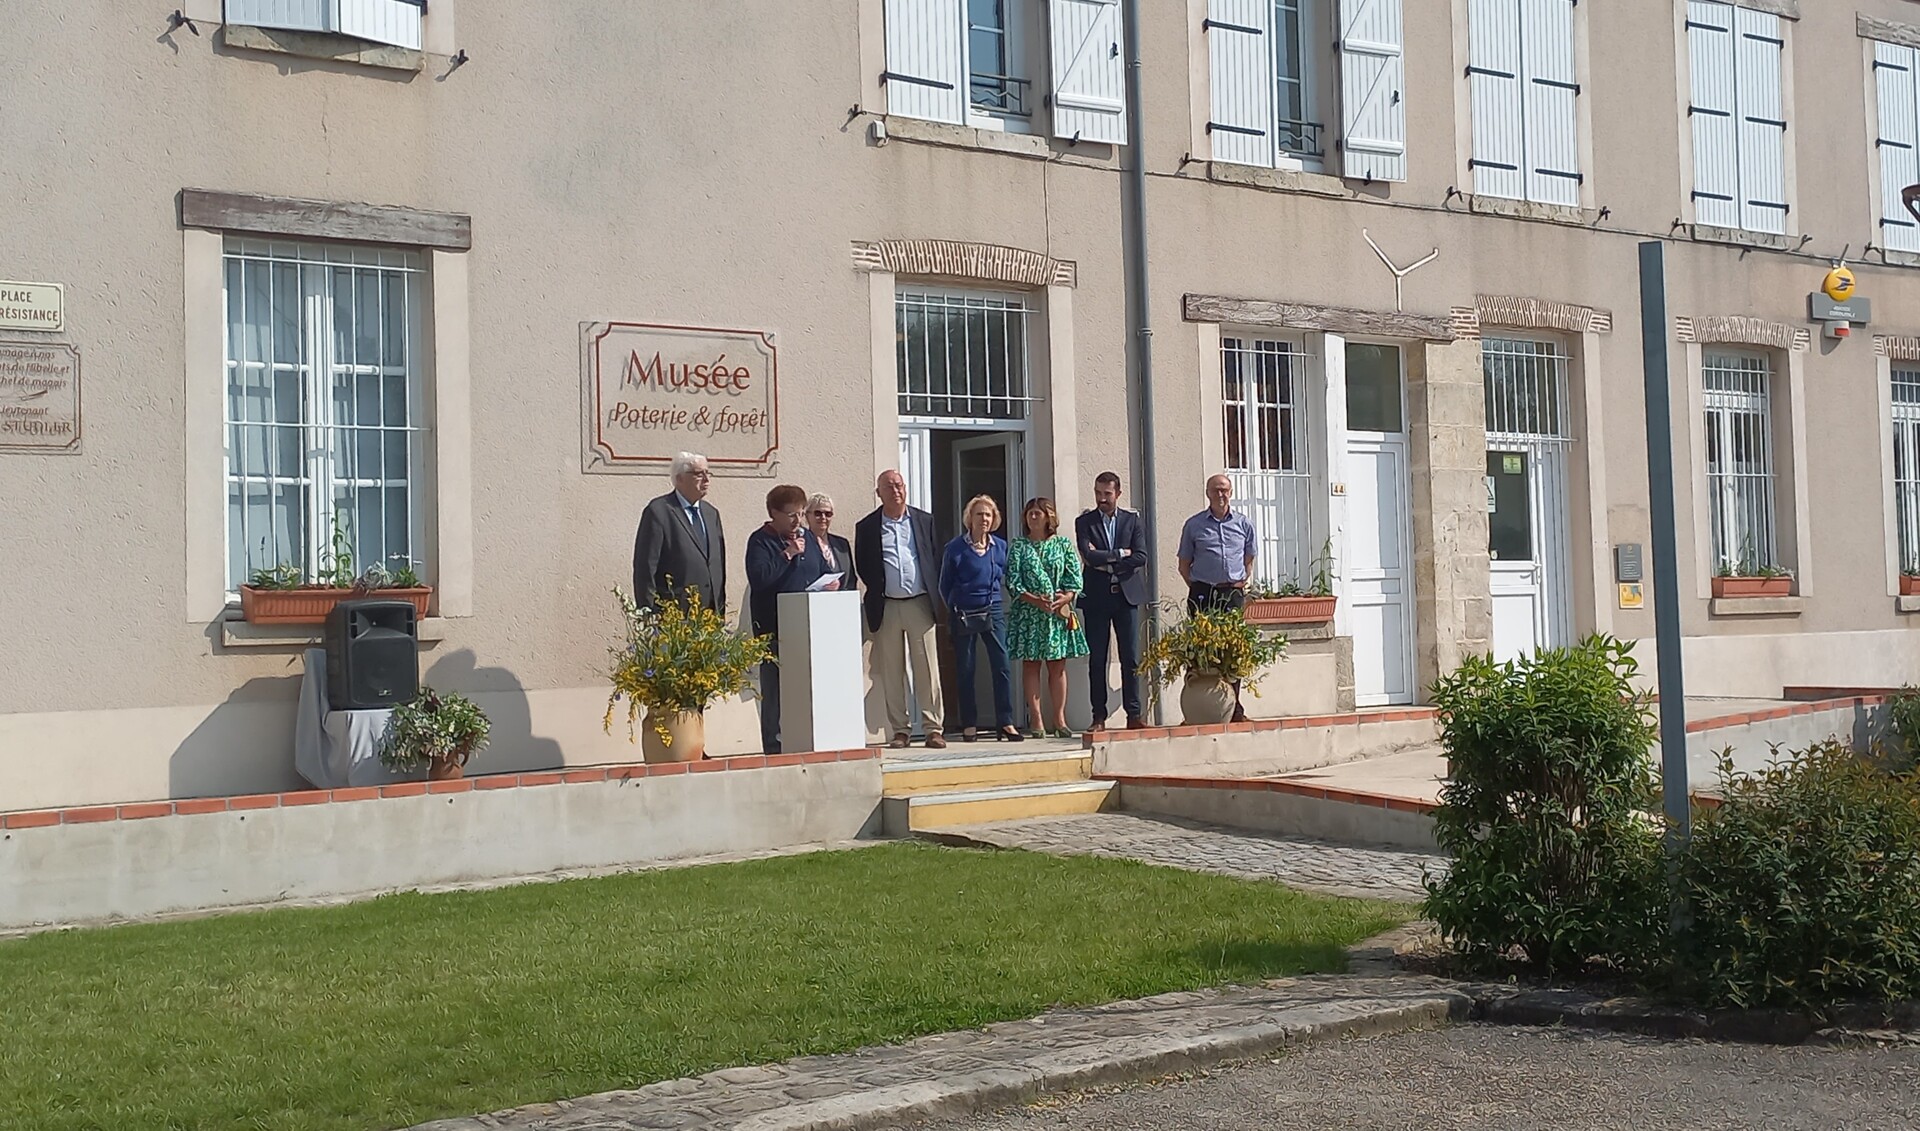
(244, 746)
(501, 695)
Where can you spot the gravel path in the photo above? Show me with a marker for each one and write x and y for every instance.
(1492, 1078)
(1311, 865)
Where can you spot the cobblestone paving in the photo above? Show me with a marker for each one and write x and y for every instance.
(1002, 1064)
(1311, 865)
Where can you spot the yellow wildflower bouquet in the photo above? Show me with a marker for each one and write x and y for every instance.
(1218, 643)
(680, 656)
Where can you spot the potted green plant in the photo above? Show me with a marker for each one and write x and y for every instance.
(437, 729)
(1209, 652)
(1746, 577)
(679, 658)
(282, 594)
(1293, 602)
(1910, 577)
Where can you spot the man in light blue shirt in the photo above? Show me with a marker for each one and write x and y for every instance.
(897, 554)
(1217, 551)
(898, 561)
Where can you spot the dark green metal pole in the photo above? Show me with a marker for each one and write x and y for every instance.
(1134, 205)
(1666, 551)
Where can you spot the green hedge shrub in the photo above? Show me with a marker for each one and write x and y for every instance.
(1557, 863)
(1804, 886)
(1900, 749)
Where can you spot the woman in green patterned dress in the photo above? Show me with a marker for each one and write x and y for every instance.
(1043, 627)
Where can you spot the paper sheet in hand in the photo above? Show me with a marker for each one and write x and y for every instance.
(821, 583)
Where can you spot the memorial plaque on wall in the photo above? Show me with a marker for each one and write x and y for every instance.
(649, 392)
(39, 397)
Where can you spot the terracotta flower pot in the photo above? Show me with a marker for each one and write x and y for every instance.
(445, 769)
(311, 605)
(1290, 610)
(1909, 584)
(1205, 699)
(1752, 586)
(686, 739)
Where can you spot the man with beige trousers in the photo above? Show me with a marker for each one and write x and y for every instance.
(897, 559)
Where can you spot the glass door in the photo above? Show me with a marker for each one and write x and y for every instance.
(985, 465)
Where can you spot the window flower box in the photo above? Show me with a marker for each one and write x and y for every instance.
(311, 604)
(1290, 610)
(1910, 584)
(1781, 586)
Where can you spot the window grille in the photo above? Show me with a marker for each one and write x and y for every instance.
(962, 355)
(1266, 417)
(1526, 388)
(1906, 465)
(324, 406)
(1740, 477)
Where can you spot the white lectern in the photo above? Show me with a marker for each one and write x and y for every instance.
(822, 694)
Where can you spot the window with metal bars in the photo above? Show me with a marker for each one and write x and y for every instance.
(1266, 428)
(962, 354)
(325, 408)
(1906, 466)
(1526, 388)
(1740, 472)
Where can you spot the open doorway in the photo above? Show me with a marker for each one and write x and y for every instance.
(945, 465)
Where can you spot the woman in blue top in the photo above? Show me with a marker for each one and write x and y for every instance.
(973, 577)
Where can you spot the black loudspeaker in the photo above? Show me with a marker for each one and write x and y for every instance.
(373, 655)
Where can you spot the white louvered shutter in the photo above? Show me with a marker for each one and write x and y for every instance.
(292, 15)
(394, 22)
(1089, 71)
(1552, 94)
(926, 60)
(1899, 141)
(1241, 77)
(1759, 57)
(1493, 77)
(1716, 149)
(1372, 90)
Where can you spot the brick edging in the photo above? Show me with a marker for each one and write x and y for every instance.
(1808, 707)
(194, 806)
(1253, 726)
(1314, 792)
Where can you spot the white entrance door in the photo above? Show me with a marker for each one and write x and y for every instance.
(1378, 572)
(1529, 543)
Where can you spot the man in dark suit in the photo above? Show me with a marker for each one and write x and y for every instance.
(899, 562)
(680, 550)
(1113, 544)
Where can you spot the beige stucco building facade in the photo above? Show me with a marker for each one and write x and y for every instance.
(304, 272)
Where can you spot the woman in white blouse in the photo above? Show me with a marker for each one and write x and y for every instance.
(838, 552)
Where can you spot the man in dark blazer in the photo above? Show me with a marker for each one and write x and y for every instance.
(680, 546)
(899, 562)
(1113, 544)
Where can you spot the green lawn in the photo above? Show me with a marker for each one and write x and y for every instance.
(415, 1007)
